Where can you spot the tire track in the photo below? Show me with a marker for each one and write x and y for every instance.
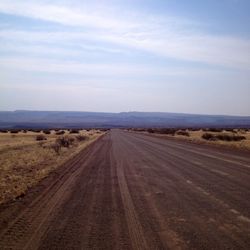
(130, 191)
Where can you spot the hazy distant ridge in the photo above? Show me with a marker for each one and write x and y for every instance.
(14, 119)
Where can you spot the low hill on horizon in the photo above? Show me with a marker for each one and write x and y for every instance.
(71, 119)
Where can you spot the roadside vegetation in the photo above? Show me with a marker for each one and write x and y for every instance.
(223, 137)
(237, 138)
(27, 156)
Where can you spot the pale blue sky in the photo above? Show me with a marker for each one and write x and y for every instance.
(144, 55)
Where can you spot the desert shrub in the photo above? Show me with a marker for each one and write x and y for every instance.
(56, 147)
(81, 137)
(143, 129)
(150, 130)
(41, 138)
(14, 131)
(4, 131)
(102, 129)
(242, 131)
(223, 137)
(71, 140)
(74, 131)
(226, 137)
(60, 132)
(167, 131)
(138, 129)
(208, 136)
(182, 132)
(235, 131)
(218, 130)
(229, 129)
(35, 130)
(65, 141)
(47, 132)
(193, 129)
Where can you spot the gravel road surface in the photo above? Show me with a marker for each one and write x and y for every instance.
(134, 191)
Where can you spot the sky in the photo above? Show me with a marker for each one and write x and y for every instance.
(126, 55)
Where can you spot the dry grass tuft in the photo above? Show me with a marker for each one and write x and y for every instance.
(230, 137)
(234, 138)
(24, 161)
(183, 133)
(41, 138)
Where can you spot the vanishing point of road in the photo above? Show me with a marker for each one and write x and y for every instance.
(134, 191)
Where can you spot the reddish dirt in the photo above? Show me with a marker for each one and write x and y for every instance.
(131, 191)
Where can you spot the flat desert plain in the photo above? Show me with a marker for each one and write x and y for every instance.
(129, 190)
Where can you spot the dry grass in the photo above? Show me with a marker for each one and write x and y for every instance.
(196, 136)
(24, 161)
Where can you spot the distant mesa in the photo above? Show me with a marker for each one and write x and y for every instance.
(70, 119)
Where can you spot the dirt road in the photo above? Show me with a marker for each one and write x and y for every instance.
(132, 191)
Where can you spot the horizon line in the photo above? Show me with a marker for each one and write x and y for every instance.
(162, 112)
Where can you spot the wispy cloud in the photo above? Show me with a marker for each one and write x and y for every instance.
(119, 55)
(92, 69)
(165, 37)
(85, 17)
